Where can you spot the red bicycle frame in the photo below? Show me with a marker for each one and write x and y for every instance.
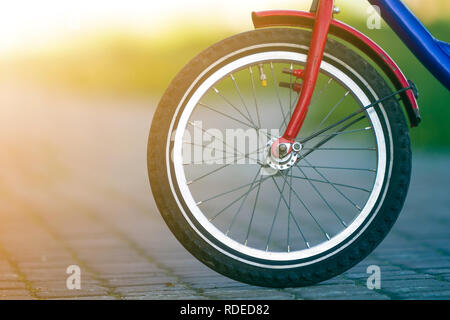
(320, 20)
(324, 15)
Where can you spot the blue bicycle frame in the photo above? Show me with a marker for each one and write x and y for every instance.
(432, 53)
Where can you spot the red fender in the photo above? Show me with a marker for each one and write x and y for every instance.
(349, 34)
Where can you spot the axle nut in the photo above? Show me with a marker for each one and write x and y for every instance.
(296, 146)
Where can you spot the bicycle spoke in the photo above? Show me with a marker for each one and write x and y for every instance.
(222, 167)
(243, 201)
(291, 214)
(323, 198)
(309, 212)
(371, 105)
(254, 96)
(325, 140)
(344, 132)
(253, 212)
(278, 93)
(338, 149)
(240, 96)
(224, 151)
(332, 185)
(336, 168)
(289, 218)
(275, 216)
(290, 107)
(322, 90)
(208, 173)
(223, 193)
(313, 99)
(258, 129)
(239, 198)
(330, 112)
(211, 162)
(228, 116)
(232, 105)
(204, 131)
(291, 67)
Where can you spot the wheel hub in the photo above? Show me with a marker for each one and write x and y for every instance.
(281, 155)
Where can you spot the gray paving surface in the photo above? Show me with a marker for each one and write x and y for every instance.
(74, 190)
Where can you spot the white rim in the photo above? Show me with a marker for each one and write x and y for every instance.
(219, 235)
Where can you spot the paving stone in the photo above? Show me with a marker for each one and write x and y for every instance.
(46, 291)
(81, 297)
(337, 292)
(68, 198)
(11, 285)
(14, 293)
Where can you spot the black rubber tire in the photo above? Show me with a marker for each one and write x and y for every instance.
(397, 184)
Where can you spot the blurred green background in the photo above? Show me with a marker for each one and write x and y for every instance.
(118, 61)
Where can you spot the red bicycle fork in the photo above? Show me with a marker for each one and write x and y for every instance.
(323, 17)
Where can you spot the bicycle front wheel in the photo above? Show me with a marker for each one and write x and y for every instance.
(278, 224)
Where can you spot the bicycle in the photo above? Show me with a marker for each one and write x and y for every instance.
(323, 161)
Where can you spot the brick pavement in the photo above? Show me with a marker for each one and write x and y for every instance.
(74, 190)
